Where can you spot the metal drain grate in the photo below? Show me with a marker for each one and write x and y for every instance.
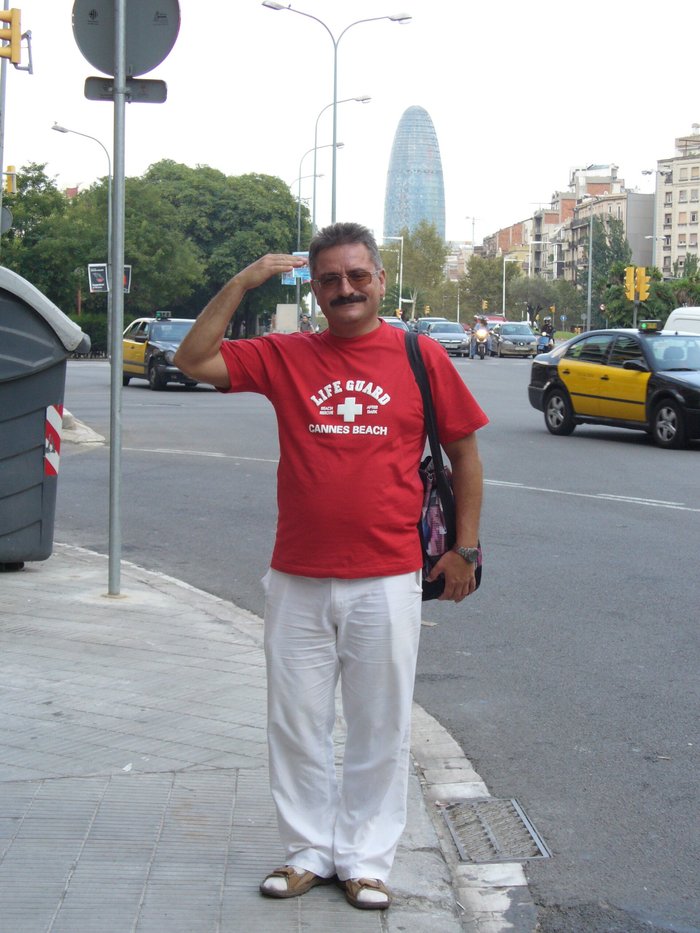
(489, 829)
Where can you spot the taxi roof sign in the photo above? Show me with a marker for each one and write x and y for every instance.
(650, 327)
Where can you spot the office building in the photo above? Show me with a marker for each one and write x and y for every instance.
(415, 189)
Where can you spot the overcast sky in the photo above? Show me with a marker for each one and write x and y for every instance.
(519, 94)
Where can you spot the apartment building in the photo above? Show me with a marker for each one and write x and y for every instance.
(677, 206)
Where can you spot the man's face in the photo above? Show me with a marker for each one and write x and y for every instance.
(351, 308)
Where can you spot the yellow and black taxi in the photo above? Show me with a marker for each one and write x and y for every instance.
(645, 379)
(149, 344)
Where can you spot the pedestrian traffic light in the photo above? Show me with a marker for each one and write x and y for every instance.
(629, 282)
(642, 277)
(12, 36)
(10, 180)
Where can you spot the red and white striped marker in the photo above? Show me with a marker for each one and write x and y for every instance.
(52, 449)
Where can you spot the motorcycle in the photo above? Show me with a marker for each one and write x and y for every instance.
(481, 339)
(545, 343)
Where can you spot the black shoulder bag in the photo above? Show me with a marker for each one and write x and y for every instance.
(438, 522)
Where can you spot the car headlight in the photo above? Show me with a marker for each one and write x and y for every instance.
(169, 356)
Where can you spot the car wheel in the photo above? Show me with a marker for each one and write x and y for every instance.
(155, 380)
(558, 413)
(125, 379)
(668, 425)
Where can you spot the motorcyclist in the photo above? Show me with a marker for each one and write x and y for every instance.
(547, 327)
(479, 322)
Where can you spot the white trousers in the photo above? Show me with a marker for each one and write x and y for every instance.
(366, 633)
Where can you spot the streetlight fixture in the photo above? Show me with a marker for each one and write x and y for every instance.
(394, 18)
(64, 129)
(314, 175)
(361, 100)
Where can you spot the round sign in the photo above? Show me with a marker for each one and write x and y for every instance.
(151, 30)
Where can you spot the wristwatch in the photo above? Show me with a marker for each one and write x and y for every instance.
(470, 554)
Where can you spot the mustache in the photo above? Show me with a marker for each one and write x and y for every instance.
(347, 300)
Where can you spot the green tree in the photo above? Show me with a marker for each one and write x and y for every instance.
(424, 256)
(232, 221)
(484, 282)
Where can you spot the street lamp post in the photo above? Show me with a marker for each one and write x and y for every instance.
(314, 150)
(400, 239)
(395, 18)
(361, 100)
(473, 220)
(63, 129)
(503, 301)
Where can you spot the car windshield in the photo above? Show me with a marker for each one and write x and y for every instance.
(447, 327)
(675, 352)
(170, 331)
(521, 329)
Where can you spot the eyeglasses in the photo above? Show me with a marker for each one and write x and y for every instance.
(359, 277)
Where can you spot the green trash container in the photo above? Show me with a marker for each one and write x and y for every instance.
(36, 339)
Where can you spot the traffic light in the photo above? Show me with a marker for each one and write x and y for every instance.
(484, 304)
(642, 277)
(629, 282)
(10, 180)
(11, 35)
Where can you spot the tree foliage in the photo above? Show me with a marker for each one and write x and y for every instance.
(186, 232)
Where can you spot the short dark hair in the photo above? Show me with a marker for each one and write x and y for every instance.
(342, 234)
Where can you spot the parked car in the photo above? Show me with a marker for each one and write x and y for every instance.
(149, 344)
(514, 339)
(645, 379)
(451, 336)
(395, 322)
(423, 323)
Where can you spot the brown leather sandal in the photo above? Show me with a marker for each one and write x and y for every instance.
(354, 887)
(297, 884)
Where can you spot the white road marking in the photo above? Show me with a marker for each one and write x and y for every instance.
(631, 500)
(601, 496)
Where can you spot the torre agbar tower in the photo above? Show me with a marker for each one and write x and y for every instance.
(414, 186)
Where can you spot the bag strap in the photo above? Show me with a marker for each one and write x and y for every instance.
(444, 486)
(415, 358)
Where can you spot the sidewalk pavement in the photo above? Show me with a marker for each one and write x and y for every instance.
(133, 774)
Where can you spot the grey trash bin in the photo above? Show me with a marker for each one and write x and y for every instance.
(36, 339)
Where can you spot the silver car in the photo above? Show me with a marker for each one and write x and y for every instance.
(515, 339)
(451, 335)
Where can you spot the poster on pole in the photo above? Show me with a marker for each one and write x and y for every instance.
(99, 281)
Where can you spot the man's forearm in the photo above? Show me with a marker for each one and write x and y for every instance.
(468, 484)
(202, 343)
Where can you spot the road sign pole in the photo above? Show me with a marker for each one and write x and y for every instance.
(117, 262)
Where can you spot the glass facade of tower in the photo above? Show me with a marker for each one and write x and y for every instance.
(415, 189)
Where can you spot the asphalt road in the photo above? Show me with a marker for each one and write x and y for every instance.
(570, 679)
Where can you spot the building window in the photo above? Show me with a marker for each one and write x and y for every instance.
(669, 199)
(681, 239)
(667, 263)
(668, 219)
(683, 196)
(683, 217)
(683, 174)
(693, 240)
(693, 217)
(695, 171)
(694, 194)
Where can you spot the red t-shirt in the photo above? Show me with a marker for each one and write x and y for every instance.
(351, 431)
